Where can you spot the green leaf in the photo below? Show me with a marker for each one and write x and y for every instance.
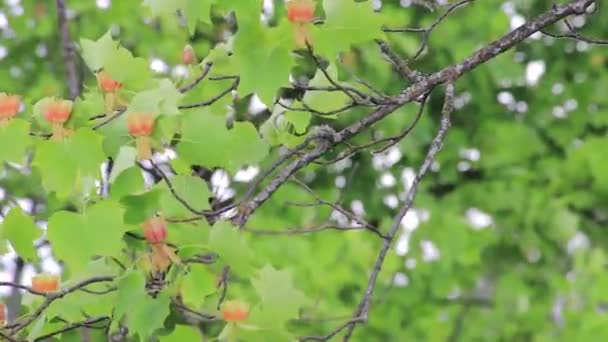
(193, 190)
(129, 182)
(263, 53)
(144, 314)
(227, 241)
(141, 207)
(347, 22)
(16, 135)
(76, 238)
(77, 306)
(132, 72)
(299, 120)
(164, 7)
(21, 231)
(130, 287)
(124, 160)
(207, 141)
(66, 164)
(281, 301)
(183, 333)
(160, 100)
(197, 284)
(195, 11)
(96, 53)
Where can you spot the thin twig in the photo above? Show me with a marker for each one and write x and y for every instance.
(86, 324)
(573, 34)
(197, 80)
(306, 108)
(110, 118)
(50, 298)
(174, 192)
(400, 65)
(233, 86)
(301, 231)
(334, 332)
(348, 91)
(426, 32)
(22, 287)
(448, 107)
(223, 284)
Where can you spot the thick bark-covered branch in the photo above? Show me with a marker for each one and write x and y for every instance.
(67, 50)
(415, 91)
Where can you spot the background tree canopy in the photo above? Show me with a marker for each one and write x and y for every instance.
(189, 170)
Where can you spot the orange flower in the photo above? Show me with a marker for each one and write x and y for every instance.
(301, 11)
(9, 106)
(2, 313)
(155, 230)
(106, 83)
(57, 111)
(188, 55)
(235, 311)
(45, 283)
(140, 124)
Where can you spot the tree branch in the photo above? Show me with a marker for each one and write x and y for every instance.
(84, 324)
(196, 81)
(67, 50)
(448, 107)
(416, 90)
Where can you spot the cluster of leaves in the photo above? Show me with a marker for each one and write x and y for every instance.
(541, 177)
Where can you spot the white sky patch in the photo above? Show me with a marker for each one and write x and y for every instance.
(220, 179)
(579, 241)
(570, 105)
(463, 166)
(516, 21)
(247, 174)
(471, 154)
(41, 50)
(339, 218)
(521, 107)
(391, 201)
(410, 221)
(5, 275)
(400, 279)
(357, 207)
(17, 10)
(180, 71)
(387, 159)
(430, 252)
(103, 4)
(340, 182)
(508, 7)
(478, 219)
(403, 245)
(559, 112)
(49, 265)
(407, 177)
(3, 21)
(534, 71)
(256, 105)
(387, 180)
(158, 66)
(505, 98)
